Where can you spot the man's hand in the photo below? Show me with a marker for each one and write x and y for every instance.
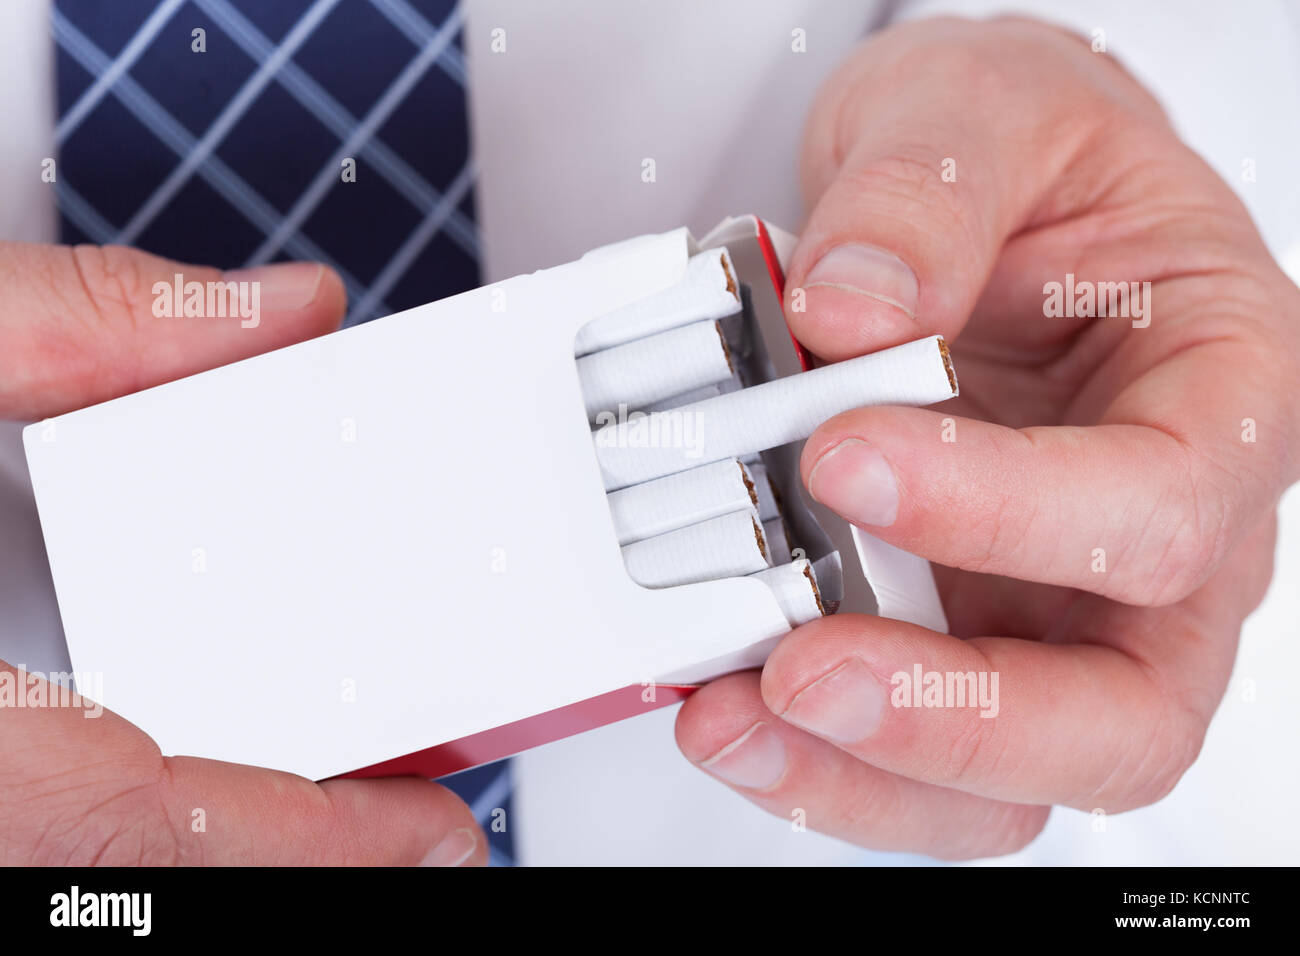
(1104, 490)
(77, 327)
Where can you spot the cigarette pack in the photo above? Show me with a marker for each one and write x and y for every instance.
(393, 549)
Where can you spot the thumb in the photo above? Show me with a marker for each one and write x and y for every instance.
(265, 818)
(83, 324)
(80, 785)
(924, 153)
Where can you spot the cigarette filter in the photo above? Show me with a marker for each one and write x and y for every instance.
(763, 491)
(778, 542)
(728, 546)
(708, 290)
(794, 586)
(675, 501)
(771, 414)
(653, 368)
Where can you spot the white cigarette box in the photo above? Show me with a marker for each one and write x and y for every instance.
(388, 550)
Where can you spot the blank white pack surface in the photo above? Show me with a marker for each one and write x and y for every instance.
(390, 549)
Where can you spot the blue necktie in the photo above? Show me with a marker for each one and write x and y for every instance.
(216, 131)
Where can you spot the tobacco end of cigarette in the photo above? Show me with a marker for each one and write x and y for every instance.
(947, 364)
(732, 285)
(731, 366)
(760, 538)
(749, 483)
(812, 582)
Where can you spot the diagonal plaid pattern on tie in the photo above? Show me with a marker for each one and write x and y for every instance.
(232, 156)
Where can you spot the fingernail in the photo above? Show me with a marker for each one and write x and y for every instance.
(846, 705)
(755, 760)
(456, 847)
(869, 271)
(855, 481)
(283, 286)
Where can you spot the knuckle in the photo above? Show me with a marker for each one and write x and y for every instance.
(992, 541)
(92, 824)
(1001, 533)
(910, 173)
(979, 754)
(127, 837)
(1183, 539)
(1148, 774)
(111, 278)
(1168, 759)
(872, 805)
(975, 755)
(906, 183)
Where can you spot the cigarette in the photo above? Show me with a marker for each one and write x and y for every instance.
(728, 546)
(723, 387)
(654, 368)
(794, 586)
(771, 414)
(828, 572)
(764, 492)
(686, 498)
(778, 542)
(708, 290)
